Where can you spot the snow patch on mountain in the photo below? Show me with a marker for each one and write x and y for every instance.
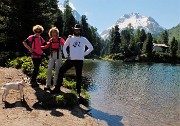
(137, 21)
(76, 15)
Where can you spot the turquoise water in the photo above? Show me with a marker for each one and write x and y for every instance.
(134, 94)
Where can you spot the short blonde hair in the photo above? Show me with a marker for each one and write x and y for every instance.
(53, 29)
(38, 27)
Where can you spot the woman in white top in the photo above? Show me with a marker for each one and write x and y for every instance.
(55, 44)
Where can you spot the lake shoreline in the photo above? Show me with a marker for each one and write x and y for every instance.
(134, 93)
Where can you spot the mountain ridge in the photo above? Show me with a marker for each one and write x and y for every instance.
(137, 21)
(174, 32)
(74, 11)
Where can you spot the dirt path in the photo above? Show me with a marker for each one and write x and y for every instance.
(27, 113)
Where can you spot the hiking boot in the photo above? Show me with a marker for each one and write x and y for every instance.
(79, 92)
(55, 91)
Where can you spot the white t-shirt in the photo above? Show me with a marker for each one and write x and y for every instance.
(77, 47)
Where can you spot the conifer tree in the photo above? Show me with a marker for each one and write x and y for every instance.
(125, 40)
(12, 24)
(88, 31)
(148, 45)
(114, 40)
(19, 16)
(95, 41)
(137, 36)
(69, 20)
(142, 37)
(84, 25)
(164, 37)
(173, 47)
(105, 47)
(117, 40)
(133, 47)
(23, 15)
(110, 40)
(50, 13)
(5, 11)
(59, 22)
(130, 29)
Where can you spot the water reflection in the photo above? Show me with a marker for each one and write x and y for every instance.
(138, 92)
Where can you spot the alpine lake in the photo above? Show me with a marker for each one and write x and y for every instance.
(134, 94)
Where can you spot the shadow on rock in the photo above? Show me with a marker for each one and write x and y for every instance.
(56, 113)
(79, 111)
(44, 99)
(47, 101)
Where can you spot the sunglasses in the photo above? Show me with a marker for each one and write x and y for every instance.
(38, 31)
(77, 30)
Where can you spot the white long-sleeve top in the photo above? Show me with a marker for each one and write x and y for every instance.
(77, 47)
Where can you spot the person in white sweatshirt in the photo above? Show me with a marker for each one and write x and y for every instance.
(75, 57)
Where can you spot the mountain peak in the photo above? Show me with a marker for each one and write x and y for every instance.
(137, 21)
(137, 15)
(74, 11)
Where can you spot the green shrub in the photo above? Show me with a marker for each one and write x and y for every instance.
(118, 56)
(66, 99)
(115, 56)
(161, 57)
(178, 58)
(59, 99)
(14, 64)
(69, 84)
(42, 76)
(17, 63)
(143, 58)
(85, 94)
(27, 67)
(44, 62)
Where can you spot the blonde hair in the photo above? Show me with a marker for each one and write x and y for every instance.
(38, 27)
(53, 29)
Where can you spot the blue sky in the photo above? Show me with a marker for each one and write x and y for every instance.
(104, 13)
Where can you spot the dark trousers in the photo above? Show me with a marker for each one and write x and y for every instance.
(36, 64)
(78, 64)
